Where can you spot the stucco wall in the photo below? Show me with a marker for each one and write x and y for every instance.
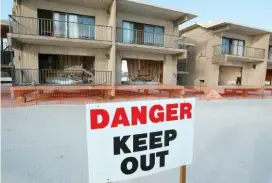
(169, 70)
(29, 9)
(200, 65)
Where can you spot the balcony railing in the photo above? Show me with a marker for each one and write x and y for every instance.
(60, 77)
(56, 28)
(238, 50)
(133, 36)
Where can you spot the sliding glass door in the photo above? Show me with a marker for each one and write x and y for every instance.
(237, 47)
(159, 36)
(232, 46)
(149, 34)
(60, 24)
(73, 26)
(225, 47)
(128, 32)
(153, 35)
(138, 33)
(87, 27)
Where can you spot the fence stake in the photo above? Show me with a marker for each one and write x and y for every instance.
(182, 172)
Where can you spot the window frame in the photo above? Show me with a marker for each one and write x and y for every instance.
(231, 40)
(144, 24)
(67, 21)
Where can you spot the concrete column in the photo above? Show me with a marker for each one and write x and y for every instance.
(118, 68)
(112, 60)
(169, 70)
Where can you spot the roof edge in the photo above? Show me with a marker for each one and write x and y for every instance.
(192, 15)
(212, 26)
(190, 27)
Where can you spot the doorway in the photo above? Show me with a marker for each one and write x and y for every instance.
(229, 75)
(144, 71)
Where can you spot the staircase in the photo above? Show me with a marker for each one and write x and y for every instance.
(6, 65)
(6, 57)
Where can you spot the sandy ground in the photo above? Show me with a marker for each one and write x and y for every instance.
(233, 144)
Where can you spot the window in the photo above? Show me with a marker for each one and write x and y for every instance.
(137, 33)
(153, 35)
(65, 25)
(232, 46)
(270, 53)
(73, 26)
(128, 32)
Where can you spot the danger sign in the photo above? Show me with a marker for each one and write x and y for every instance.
(132, 139)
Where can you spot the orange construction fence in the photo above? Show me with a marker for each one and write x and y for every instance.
(40, 95)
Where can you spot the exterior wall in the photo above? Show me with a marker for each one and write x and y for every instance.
(258, 75)
(169, 70)
(29, 9)
(200, 64)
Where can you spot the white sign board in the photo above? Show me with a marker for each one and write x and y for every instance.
(132, 139)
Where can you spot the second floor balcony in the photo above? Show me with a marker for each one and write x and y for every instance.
(152, 39)
(234, 52)
(58, 28)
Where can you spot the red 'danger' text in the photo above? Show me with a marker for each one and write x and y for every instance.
(140, 115)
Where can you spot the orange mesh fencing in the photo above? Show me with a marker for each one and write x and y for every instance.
(29, 96)
(59, 95)
(204, 92)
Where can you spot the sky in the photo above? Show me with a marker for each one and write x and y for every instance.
(256, 13)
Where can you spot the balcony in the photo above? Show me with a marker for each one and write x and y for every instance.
(149, 41)
(24, 77)
(224, 53)
(61, 33)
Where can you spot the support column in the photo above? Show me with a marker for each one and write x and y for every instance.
(169, 70)
(118, 68)
(112, 60)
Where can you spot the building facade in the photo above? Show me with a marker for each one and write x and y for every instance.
(268, 78)
(97, 35)
(227, 54)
